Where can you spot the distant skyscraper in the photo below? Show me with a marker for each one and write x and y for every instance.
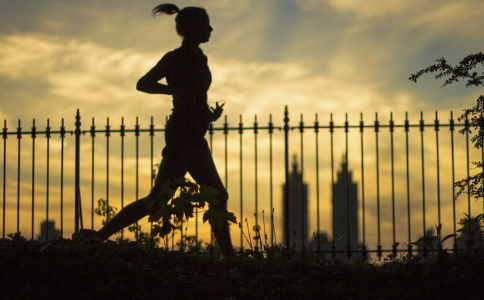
(298, 208)
(48, 231)
(345, 210)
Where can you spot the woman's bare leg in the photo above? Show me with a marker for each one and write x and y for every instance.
(200, 165)
(202, 168)
(128, 215)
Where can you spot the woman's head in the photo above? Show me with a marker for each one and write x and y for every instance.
(191, 22)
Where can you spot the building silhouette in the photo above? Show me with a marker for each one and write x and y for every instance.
(48, 231)
(345, 212)
(298, 209)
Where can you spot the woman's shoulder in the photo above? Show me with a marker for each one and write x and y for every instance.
(171, 59)
(174, 55)
(169, 55)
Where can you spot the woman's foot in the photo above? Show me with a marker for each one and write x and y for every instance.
(90, 235)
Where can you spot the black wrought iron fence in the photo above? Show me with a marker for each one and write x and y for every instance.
(394, 180)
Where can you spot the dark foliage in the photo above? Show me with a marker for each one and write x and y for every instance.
(64, 269)
(473, 117)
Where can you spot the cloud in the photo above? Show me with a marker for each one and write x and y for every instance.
(100, 80)
(440, 13)
(79, 74)
(255, 88)
(456, 18)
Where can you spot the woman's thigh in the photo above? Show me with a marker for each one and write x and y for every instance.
(171, 167)
(199, 163)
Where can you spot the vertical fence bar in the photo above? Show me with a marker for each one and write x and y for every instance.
(47, 184)
(467, 126)
(93, 136)
(34, 136)
(481, 134)
(377, 148)
(286, 170)
(318, 221)
(271, 195)
(303, 198)
(226, 166)
(331, 132)
(152, 166)
(226, 151)
(137, 133)
(241, 182)
(422, 154)
(122, 134)
(407, 161)
(256, 190)
(4, 196)
(152, 151)
(210, 134)
(451, 129)
(19, 136)
(256, 187)
(436, 124)
(62, 135)
(362, 126)
(77, 197)
(392, 157)
(108, 135)
(347, 175)
(166, 239)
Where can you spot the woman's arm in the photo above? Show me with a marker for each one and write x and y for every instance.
(149, 82)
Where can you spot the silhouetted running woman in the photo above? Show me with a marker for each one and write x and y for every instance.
(188, 80)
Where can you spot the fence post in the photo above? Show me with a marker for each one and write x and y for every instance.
(481, 134)
(286, 186)
(77, 198)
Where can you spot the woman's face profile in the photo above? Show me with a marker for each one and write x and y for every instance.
(201, 29)
(204, 29)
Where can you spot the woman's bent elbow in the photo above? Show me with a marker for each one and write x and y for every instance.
(141, 85)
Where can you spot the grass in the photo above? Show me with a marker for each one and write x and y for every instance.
(66, 269)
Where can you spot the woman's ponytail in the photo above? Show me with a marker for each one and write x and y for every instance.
(186, 19)
(167, 8)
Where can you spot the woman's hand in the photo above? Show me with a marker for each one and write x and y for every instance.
(182, 96)
(217, 111)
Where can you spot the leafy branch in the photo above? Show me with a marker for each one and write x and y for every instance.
(472, 228)
(473, 117)
(462, 70)
(178, 198)
(430, 241)
(104, 210)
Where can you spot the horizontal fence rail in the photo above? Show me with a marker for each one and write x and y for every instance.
(402, 174)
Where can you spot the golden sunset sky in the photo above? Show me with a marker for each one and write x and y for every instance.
(312, 55)
(315, 56)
